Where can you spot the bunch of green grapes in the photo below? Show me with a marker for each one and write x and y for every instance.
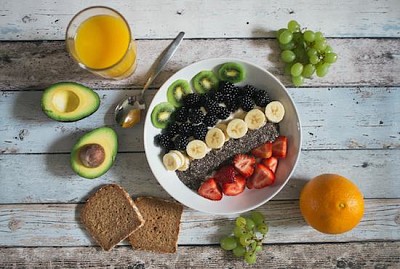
(246, 239)
(305, 52)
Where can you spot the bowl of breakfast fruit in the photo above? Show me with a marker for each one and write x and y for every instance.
(222, 136)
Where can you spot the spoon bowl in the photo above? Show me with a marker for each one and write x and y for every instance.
(128, 111)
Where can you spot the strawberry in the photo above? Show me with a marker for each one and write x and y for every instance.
(244, 164)
(279, 147)
(264, 151)
(262, 177)
(225, 174)
(271, 163)
(209, 189)
(235, 187)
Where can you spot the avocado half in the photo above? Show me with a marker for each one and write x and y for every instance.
(69, 101)
(103, 136)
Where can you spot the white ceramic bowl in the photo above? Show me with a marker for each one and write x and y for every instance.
(249, 199)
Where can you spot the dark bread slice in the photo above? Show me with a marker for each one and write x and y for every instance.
(161, 228)
(110, 215)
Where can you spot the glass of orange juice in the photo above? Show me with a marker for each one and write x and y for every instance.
(99, 40)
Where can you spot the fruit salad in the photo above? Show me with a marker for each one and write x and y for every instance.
(204, 128)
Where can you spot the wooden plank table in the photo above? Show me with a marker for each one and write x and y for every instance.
(350, 121)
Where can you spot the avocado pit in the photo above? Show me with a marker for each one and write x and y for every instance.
(92, 155)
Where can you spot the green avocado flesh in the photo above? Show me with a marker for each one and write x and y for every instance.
(69, 101)
(106, 138)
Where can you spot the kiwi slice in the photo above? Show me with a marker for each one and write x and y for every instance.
(205, 81)
(161, 115)
(232, 72)
(177, 91)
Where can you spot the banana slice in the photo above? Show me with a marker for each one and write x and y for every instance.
(255, 119)
(223, 127)
(185, 165)
(196, 149)
(275, 111)
(172, 161)
(215, 138)
(181, 156)
(236, 128)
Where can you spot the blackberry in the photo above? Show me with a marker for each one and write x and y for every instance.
(213, 110)
(226, 87)
(232, 106)
(200, 131)
(261, 98)
(216, 96)
(210, 120)
(180, 142)
(223, 113)
(172, 129)
(181, 114)
(164, 141)
(192, 100)
(196, 116)
(185, 129)
(210, 104)
(235, 91)
(229, 98)
(246, 103)
(248, 91)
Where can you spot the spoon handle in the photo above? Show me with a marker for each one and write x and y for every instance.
(162, 60)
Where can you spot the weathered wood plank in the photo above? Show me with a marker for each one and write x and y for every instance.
(361, 62)
(335, 255)
(58, 225)
(23, 177)
(152, 19)
(332, 118)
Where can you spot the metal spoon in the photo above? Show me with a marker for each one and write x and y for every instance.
(127, 112)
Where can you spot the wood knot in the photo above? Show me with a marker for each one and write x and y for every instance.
(14, 224)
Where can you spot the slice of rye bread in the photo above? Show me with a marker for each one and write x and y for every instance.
(161, 228)
(110, 216)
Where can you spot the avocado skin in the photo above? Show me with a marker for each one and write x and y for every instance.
(108, 139)
(92, 102)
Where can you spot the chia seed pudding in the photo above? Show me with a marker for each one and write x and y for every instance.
(200, 169)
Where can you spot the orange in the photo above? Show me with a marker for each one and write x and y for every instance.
(331, 204)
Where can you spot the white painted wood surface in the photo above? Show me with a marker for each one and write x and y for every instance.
(350, 121)
(47, 19)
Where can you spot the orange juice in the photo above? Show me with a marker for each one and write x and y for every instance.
(102, 43)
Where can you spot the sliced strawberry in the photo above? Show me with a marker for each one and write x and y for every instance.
(264, 151)
(279, 147)
(262, 177)
(226, 173)
(209, 189)
(271, 163)
(235, 187)
(244, 164)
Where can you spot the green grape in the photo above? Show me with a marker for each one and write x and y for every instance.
(258, 249)
(250, 257)
(314, 59)
(320, 45)
(293, 26)
(249, 224)
(297, 80)
(239, 251)
(328, 49)
(228, 243)
(296, 69)
(288, 46)
(239, 231)
(263, 228)
(257, 217)
(319, 36)
(330, 57)
(309, 36)
(298, 37)
(285, 37)
(288, 56)
(288, 67)
(245, 240)
(252, 246)
(312, 51)
(279, 32)
(322, 69)
(240, 222)
(301, 54)
(308, 70)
